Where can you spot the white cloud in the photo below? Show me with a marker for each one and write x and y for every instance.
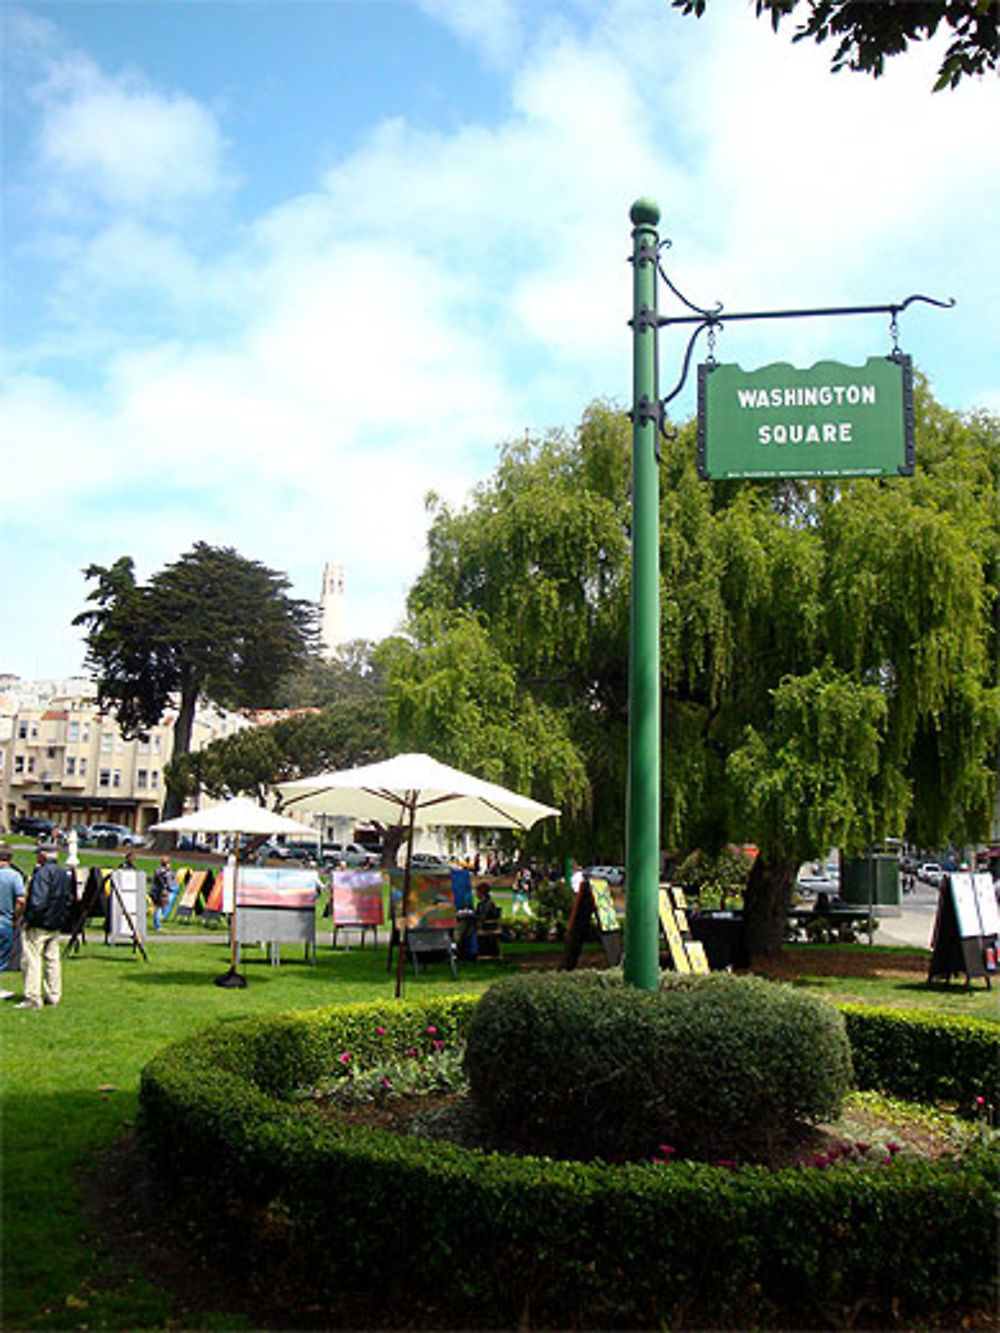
(126, 144)
(492, 27)
(295, 390)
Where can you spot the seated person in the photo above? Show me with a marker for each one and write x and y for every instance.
(485, 913)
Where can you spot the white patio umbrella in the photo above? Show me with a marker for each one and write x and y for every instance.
(413, 789)
(236, 816)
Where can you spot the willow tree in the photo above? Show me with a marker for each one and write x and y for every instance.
(518, 623)
(211, 625)
(829, 653)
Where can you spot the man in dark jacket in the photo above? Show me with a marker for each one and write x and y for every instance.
(47, 908)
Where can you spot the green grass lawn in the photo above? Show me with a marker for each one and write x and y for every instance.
(70, 1089)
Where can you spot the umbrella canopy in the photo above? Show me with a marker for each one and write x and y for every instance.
(235, 816)
(238, 815)
(414, 789)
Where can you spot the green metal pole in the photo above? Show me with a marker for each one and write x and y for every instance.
(642, 942)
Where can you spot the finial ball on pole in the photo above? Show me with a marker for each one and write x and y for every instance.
(644, 212)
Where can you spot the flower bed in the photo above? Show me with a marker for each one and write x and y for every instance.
(560, 1243)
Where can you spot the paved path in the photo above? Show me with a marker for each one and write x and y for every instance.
(915, 924)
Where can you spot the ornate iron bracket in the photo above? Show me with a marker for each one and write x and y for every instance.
(716, 318)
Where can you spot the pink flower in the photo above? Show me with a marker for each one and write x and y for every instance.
(344, 1058)
(980, 1101)
(387, 1082)
(432, 1031)
(380, 1032)
(439, 1045)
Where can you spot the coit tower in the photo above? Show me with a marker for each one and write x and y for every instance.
(333, 609)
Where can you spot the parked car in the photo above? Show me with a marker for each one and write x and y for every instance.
(33, 826)
(429, 861)
(116, 835)
(610, 874)
(189, 843)
(352, 854)
(930, 872)
(810, 884)
(84, 834)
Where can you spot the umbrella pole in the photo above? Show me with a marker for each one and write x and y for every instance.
(405, 906)
(232, 979)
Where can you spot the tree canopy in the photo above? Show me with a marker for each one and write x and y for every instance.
(829, 653)
(868, 31)
(213, 624)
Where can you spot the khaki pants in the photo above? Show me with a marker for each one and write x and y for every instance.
(41, 953)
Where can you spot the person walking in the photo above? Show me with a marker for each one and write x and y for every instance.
(11, 902)
(48, 905)
(161, 890)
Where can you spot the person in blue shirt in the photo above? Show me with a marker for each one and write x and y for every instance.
(11, 902)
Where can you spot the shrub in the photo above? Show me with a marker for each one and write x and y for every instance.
(926, 1057)
(566, 1244)
(580, 1065)
(551, 903)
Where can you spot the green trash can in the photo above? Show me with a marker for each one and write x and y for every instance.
(871, 879)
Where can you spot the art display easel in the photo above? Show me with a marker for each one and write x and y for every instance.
(93, 902)
(686, 953)
(122, 895)
(593, 899)
(195, 883)
(356, 903)
(966, 928)
(426, 934)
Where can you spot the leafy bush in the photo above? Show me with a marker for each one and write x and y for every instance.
(714, 880)
(551, 903)
(580, 1065)
(926, 1057)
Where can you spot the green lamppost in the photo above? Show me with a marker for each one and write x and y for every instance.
(642, 940)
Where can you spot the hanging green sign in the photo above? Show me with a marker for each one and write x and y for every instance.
(831, 420)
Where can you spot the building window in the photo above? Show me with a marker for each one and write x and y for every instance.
(34, 731)
(154, 778)
(156, 744)
(86, 733)
(116, 778)
(19, 763)
(106, 741)
(83, 767)
(140, 779)
(22, 731)
(31, 763)
(143, 745)
(50, 752)
(104, 777)
(71, 766)
(73, 731)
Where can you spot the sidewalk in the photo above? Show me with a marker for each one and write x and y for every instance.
(915, 924)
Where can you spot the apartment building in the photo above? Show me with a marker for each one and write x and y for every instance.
(66, 760)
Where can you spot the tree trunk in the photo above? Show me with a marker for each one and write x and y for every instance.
(392, 839)
(765, 908)
(183, 727)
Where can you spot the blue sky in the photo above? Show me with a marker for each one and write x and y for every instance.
(273, 272)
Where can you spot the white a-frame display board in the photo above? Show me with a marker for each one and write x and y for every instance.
(966, 928)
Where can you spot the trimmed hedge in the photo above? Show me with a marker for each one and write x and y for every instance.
(559, 1243)
(581, 1065)
(925, 1057)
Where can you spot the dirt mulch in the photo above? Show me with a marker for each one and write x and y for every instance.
(858, 960)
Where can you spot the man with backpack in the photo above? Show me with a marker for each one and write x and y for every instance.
(48, 909)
